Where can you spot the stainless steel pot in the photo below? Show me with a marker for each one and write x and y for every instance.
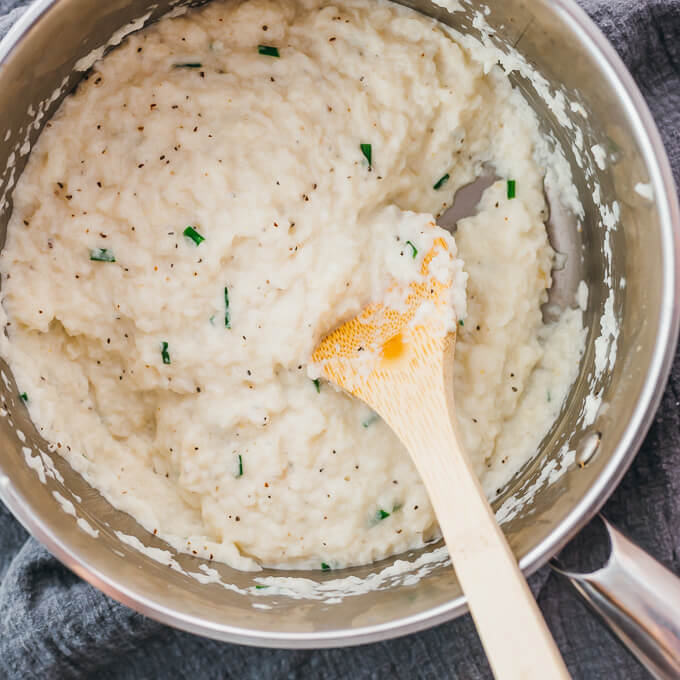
(36, 69)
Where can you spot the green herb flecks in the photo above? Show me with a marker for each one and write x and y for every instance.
(325, 567)
(102, 255)
(369, 421)
(260, 587)
(441, 182)
(165, 355)
(512, 188)
(212, 320)
(367, 150)
(378, 517)
(191, 233)
(549, 397)
(396, 506)
(268, 50)
(414, 250)
(239, 468)
(461, 322)
(189, 64)
(23, 396)
(227, 317)
(317, 384)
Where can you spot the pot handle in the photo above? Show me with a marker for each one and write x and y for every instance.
(639, 599)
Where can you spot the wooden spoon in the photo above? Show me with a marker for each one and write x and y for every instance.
(400, 362)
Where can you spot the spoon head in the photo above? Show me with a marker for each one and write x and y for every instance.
(388, 336)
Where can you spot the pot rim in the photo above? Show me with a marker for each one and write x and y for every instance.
(666, 202)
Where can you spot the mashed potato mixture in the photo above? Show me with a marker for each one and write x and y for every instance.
(221, 191)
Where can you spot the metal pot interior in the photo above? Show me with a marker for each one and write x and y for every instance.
(36, 71)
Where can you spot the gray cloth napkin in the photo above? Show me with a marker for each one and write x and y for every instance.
(53, 625)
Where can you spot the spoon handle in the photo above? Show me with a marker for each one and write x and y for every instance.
(515, 636)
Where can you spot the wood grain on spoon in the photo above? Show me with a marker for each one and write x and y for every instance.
(400, 362)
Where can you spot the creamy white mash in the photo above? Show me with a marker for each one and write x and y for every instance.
(308, 147)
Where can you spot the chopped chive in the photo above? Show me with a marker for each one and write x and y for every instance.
(24, 397)
(317, 384)
(325, 567)
(102, 255)
(396, 506)
(413, 248)
(188, 64)
(381, 514)
(367, 150)
(164, 352)
(461, 322)
(549, 395)
(369, 421)
(227, 320)
(268, 50)
(240, 467)
(512, 187)
(212, 320)
(191, 233)
(259, 587)
(441, 182)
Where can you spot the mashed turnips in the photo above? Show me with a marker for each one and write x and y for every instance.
(221, 191)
